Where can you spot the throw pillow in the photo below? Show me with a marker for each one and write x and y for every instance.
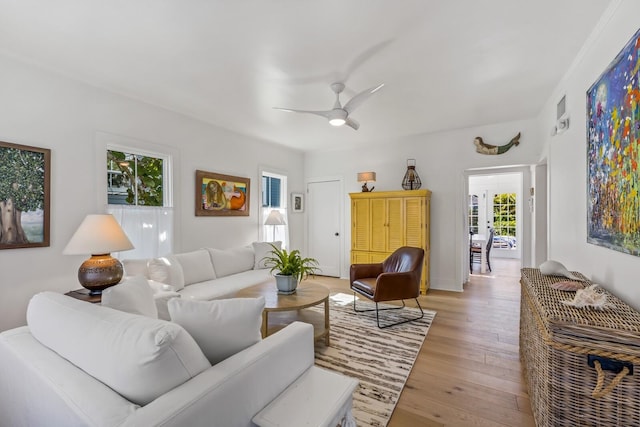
(138, 357)
(166, 270)
(196, 266)
(261, 250)
(231, 261)
(133, 295)
(221, 328)
(135, 267)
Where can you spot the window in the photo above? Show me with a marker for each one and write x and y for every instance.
(274, 197)
(139, 197)
(504, 220)
(473, 213)
(134, 179)
(271, 194)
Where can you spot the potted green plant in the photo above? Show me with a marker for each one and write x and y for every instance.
(289, 268)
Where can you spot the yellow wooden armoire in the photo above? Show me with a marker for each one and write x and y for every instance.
(383, 221)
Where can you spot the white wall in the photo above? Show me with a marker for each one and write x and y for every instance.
(441, 160)
(567, 165)
(44, 109)
(540, 213)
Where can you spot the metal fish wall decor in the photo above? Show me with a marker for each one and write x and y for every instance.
(483, 148)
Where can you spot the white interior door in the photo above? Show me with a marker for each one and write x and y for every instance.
(324, 225)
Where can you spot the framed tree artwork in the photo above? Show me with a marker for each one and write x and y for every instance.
(25, 174)
(221, 195)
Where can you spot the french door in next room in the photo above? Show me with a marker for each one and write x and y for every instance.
(324, 225)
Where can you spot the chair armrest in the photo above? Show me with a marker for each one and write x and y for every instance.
(395, 286)
(160, 287)
(161, 299)
(361, 271)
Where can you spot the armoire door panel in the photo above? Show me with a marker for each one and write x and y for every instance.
(395, 225)
(378, 256)
(360, 257)
(378, 225)
(414, 223)
(360, 225)
(427, 224)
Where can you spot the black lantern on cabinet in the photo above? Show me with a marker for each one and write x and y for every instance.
(411, 180)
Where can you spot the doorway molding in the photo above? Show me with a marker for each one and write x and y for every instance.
(462, 226)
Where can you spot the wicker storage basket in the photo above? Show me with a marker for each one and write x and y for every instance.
(581, 365)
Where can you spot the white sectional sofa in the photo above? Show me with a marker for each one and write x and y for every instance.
(203, 274)
(81, 364)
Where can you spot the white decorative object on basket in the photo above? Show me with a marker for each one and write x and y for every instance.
(555, 268)
(589, 298)
(567, 285)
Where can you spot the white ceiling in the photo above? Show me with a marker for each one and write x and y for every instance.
(445, 63)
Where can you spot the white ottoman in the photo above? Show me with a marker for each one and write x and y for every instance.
(319, 397)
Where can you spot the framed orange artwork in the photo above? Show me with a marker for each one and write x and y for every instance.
(221, 195)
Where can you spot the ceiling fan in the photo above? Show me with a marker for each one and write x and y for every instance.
(339, 115)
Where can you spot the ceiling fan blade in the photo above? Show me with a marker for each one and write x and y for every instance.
(324, 114)
(352, 123)
(357, 100)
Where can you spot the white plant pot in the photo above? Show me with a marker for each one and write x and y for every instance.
(286, 284)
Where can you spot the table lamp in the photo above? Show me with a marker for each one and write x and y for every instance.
(366, 177)
(99, 235)
(275, 218)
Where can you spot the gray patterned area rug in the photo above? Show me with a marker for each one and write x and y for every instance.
(380, 359)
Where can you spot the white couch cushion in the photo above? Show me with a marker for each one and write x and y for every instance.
(135, 267)
(160, 287)
(232, 261)
(226, 287)
(262, 250)
(133, 295)
(221, 327)
(166, 270)
(196, 266)
(138, 357)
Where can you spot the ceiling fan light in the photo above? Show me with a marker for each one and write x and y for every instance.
(337, 117)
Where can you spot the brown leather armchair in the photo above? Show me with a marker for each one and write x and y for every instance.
(396, 278)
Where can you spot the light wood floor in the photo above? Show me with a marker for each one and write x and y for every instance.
(468, 370)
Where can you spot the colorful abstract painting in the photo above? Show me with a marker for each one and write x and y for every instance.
(221, 195)
(613, 153)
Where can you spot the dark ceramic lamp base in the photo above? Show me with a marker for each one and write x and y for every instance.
(100, 272)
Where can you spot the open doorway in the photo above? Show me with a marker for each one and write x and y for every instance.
(496, 221)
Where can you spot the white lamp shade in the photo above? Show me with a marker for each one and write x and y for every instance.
(275, 218)
(366, 177)
(98, 234)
